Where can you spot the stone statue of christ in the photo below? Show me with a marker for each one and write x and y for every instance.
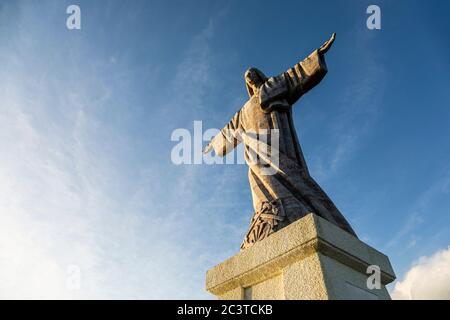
(282, 188)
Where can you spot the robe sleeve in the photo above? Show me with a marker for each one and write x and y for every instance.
(305, 75)
(229, 137)
(284, 90)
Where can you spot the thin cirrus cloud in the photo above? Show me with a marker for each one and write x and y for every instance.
(420, 214)
(60, 201)
(70, 197)
(359, 107)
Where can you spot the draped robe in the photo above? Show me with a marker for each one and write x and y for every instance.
(282, 188)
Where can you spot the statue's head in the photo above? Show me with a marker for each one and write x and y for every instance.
(254, 78)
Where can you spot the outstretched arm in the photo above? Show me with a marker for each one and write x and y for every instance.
(306, 74)
(227, 139)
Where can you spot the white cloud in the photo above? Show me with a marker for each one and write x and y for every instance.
(429, 278)
(69, 195)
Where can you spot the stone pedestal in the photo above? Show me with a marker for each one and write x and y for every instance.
(309, 259)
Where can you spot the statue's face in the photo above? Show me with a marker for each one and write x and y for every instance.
(253, 79)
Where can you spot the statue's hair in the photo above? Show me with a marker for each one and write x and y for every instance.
(261, 78)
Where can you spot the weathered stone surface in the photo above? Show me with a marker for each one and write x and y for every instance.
(282, 188)
(309, 259)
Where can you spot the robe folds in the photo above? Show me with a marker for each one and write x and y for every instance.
(282, 188)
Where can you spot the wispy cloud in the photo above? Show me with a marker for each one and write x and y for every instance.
(410, 225)
(359, 107)
(419, 213)
(68, 196)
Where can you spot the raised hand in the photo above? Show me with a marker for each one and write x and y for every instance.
(208, 148)
(327, 45)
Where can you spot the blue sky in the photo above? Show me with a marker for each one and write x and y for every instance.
(86, 118)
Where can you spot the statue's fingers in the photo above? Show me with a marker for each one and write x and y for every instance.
(323, 48)
(330, 42)
(326, 46)
(333, 37)
(207, 149)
